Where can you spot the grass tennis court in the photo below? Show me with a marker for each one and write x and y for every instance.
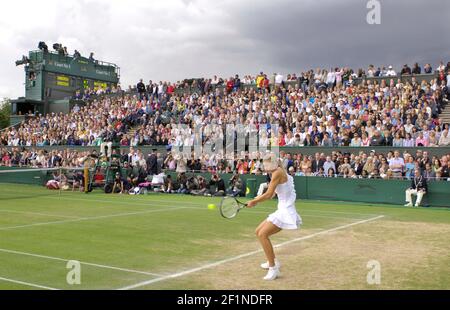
(159, 241)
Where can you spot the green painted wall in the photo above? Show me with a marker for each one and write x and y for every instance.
(315, 188)
(356, 190)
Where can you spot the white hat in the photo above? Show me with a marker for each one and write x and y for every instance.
(390, 67)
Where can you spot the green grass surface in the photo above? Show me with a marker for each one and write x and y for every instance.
(123, 240)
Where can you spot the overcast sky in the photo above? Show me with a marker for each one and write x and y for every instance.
(176, 39)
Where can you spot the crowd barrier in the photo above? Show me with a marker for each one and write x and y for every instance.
(354, 190)
(314, 188)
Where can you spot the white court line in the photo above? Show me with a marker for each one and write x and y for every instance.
(140, 202)
(35, 213)
(303, 214)
(122, 202)
(83, 263)
(91, 218)
(266, 207)
(220, 262)
(28, 284)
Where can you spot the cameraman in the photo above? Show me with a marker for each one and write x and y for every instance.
(236, 185)
(217, 185)
(182, 181)
(118, 186)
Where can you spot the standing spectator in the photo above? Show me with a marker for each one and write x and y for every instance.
(406, 70)
(141, 89)
(237, 83)
(329, 164)
(409, 167)
(396, 165)
(416, 69)
(331, 78)
(260, 81)
(317, 163)
(152, 165)
(391, 71)
(427, 69)
(279, 79)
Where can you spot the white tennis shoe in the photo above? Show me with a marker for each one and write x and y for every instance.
(272, 274)
(266, 264)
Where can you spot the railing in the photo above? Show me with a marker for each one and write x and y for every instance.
(6, 128)
(68, 58)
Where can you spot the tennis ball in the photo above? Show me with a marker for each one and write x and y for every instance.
(211, 206)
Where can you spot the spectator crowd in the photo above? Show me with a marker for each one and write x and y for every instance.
(362, 164)
(314, 108)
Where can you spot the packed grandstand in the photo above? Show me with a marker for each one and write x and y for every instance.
(327, 108)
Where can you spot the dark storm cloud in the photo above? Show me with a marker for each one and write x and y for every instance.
(292, 35)
(175, 39)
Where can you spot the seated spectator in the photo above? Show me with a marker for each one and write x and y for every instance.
(428, 173)
(356, 141)
(169, 186)
(418, 187)
(331, 173)
(201, 187)
(408, 141)
(182, 182)
(58, 181)
(421, 140)
(264, 185)
(216, 186)
(397, 141)
(444, 140)
(369, 166)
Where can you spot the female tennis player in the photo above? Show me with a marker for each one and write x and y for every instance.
(286, 216)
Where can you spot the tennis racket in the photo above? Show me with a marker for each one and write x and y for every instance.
(230, 207)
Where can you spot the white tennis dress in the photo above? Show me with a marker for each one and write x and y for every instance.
(286, 217)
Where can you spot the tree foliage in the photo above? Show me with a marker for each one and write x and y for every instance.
(5, 112)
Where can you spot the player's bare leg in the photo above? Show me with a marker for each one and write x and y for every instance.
(263, 234)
